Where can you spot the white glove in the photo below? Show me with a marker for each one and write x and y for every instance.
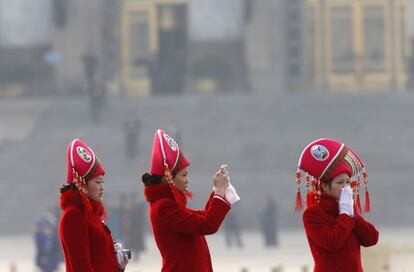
(346, 201)
(231, 195)
(120, 257)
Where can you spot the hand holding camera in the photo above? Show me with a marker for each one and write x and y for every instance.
(223, 187)
(221, 180)
(122, 256)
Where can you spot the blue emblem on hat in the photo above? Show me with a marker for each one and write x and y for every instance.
(170, 142)
(83, 154)
(319, 152)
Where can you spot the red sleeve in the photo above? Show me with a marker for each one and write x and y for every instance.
(209, 201)
(183, 220)
(366, 232)
(74, 233)
(203, 212)
(325, 235)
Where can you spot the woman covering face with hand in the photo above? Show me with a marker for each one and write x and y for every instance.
(335, 229)
(179, 231)
(86, 240)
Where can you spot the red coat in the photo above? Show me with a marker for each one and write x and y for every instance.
(179, 231)
(335, 239)
(86, 241)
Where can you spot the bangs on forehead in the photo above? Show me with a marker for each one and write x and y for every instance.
(343, 179)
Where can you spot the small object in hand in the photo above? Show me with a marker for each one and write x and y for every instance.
(126, 252)
(223, 168)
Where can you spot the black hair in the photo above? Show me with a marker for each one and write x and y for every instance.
(149, 179)
(66, 187)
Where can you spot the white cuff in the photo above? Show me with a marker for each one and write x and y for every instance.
(231, 194)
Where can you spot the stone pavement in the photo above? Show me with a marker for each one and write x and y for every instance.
(292, 254)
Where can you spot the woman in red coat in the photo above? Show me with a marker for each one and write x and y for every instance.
(333, 223)
(179, 231)
(86, 240)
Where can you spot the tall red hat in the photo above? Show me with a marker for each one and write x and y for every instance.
(82, 162)
(166, 152)
(324, 159)
(166, 160)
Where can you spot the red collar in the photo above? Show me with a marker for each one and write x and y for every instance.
(71, 198)
(159, 191)
(329, 205)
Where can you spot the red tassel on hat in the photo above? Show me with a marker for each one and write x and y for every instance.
(358, 203)
(81, 186)
(367, 200)
(311, 199)
(299, 203)
(355, 185)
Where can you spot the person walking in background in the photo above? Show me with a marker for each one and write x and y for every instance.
(86, 240)
(179, 231)
(125, 213)
(137, 213)
(131, 128)
(232, 231)
(333, 224)
(268, 222)
(48, 253)
(114, 221)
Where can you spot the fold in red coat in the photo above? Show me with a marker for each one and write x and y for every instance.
(179, 231)
(86, 241)
(335, 240)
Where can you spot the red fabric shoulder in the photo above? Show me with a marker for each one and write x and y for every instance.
(182, 220)
(327, 234)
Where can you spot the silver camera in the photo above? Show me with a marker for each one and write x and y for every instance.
(126, 252)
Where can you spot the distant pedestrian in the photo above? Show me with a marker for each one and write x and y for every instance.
(114, 222)
(131, 128)
(232, 231)
(48, 253)
(268, 222)
(138, 215)
(125, 214)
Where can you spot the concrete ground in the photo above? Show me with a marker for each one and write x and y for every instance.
(291, 256)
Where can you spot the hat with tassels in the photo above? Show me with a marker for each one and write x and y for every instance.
(83, 165)
(320, 162)
(166, 160)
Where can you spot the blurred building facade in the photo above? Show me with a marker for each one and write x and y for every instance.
(176, 46)
(265, 45)
(352, 45)
(151, 47)
(287, 45)
(85, 33)
(24, 40)
(154, 46)
(43, 44)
